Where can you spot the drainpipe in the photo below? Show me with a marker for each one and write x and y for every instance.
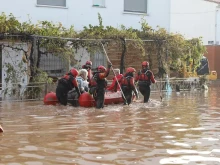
(216, 33)
(122, 63)
(216, 24)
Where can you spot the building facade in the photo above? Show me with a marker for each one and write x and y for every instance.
(191, 18)
(197, 18)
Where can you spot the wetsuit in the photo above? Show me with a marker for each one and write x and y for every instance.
(145, 77)
(65, 84)
(128, 87)
(99, 90)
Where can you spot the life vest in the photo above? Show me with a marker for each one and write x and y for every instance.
(126, 81)
(96, 81)
(144, 77)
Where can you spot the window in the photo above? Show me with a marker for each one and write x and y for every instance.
(139, 6)
(211, 42)
(61, 3)
(55, 66)
(99, 3)
(98, 58)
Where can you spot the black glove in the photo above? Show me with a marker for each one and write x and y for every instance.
(109, 66)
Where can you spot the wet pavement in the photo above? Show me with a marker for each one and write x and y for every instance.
(182, 129)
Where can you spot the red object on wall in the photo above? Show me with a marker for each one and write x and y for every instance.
(50, 99)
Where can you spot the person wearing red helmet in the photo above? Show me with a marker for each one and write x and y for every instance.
(65, 84)
(144, 78)
(127, 85)
(99, 84)
(88, 67)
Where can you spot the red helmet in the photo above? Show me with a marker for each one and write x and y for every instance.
(145, 63)
(74, 72)
(101, 68)
(89, 63)
(130, 70)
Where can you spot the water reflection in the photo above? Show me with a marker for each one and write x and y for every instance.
(183, 129)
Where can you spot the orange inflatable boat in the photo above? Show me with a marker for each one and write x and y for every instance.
(86, 99)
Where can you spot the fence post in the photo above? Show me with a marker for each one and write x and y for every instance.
(46, 86)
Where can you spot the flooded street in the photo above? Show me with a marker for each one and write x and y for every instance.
(183, 129)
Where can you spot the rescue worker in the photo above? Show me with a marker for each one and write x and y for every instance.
(114, 81)
(99, 84)
(127, 85)
(88, 67)
(65, 84)
(83, 87)
(145, 77)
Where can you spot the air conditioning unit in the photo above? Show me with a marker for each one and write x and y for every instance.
(210, 42)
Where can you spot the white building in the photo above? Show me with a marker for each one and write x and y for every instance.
(193, 18)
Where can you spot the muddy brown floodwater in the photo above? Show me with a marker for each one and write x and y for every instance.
(183, 129)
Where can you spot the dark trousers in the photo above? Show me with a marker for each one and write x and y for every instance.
(128, 95)
(145, 91)
(99, 96)
(73, 98)
(61, 93)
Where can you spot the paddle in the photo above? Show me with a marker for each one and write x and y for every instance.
(114, 73)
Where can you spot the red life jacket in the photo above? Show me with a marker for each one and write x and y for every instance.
(126, 81)
(144, 77)
(69, 81)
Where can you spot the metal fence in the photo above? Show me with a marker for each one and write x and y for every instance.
(32, 91)
(37, 91)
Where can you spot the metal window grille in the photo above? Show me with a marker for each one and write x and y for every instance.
(139, 6)
(98, 59)
(61, 3)
(54, 66)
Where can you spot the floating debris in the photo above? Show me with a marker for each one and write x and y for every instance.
(1, 129)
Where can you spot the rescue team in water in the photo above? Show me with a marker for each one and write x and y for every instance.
(75, 82)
